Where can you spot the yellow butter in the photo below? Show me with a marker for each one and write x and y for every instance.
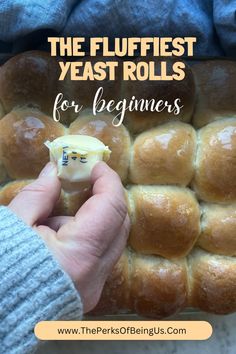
(76, 155)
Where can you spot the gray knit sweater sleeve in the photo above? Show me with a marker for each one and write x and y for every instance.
(33, 287)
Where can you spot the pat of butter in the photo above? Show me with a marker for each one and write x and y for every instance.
(76, 155)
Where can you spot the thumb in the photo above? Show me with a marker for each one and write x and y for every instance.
(36, 201)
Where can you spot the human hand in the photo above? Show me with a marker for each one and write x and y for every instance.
(89, 244)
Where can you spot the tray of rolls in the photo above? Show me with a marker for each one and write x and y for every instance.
(178, 171)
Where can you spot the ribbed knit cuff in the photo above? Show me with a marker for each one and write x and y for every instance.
(33, 287)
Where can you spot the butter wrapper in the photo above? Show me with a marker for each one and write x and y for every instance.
(76, 155)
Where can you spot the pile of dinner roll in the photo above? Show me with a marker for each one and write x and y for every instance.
(178, 171)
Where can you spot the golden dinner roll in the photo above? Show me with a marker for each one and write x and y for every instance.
(116, 138)
(115, 297)
(165, 91)
(60, 206)
(158, 287)
(11, 189)
(165, 220)
(75, 198)
(147, 285)
(30, 79)
(164, 155)
(3, 173)
(215, 173)
(215, 81)
(212, 282)
(23, 133)
(2, 113)
(218, 229)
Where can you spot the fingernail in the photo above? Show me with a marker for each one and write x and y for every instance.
(49, 170)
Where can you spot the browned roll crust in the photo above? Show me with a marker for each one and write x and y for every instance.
(165, 220)
(164, 155)
(22, 136)
(116, 138)
(218, 225)
(212, 281)
(215, 80)
(158, 287)
(159, 90)
(2, 112)
(31, 79)
(215, 174)
(73, 200)
(147, 285)
(3, 173)
(10, 191)
(60, 207)
(115, 296)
